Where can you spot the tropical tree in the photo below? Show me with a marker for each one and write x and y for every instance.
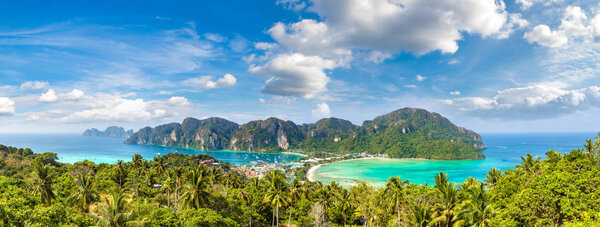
(120, 172)
(195, 191)
(178, 174)
(277, 192)
(492, 177)
(136, 161)
(394, 187)
(529, 163)
(296, 190)
(421, 214)
(448, 195)
(42, 181)
(158, 165)
(168, 185)
(344, 200)
(477, 209)
(113, 213)
(85, 194)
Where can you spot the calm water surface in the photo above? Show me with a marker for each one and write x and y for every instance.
(504, 151)
(74, 147)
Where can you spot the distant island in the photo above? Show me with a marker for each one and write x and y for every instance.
(112, 131)
(404, 133)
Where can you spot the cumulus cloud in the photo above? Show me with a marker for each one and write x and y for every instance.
(454, 93)
(418, 26)
(295, 75)
(178, 101)
(7, 106)
(33, 85)
(52, 96)
(49, 96)
(207, 82)
(574, 24)
(531, 102)
(420, 78)
(295, 5)
(76, 94)
(321, 111)
(113, 108)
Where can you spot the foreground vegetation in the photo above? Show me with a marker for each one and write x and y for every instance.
(176, 190)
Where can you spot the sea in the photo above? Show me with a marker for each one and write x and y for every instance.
(72, 148)
(504, 150)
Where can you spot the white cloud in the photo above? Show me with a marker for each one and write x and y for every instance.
(76, 94)
(207, 83)
(573, 24)
(531, 102)
(178, 101)
(542, 35)
(410, 86)
(261, 100)
(295, 75)
(526, 4)
(103, 107)
(295, 5)
(33, 85)
(265, 46)
(49, 96)
(214, 37)
(7, 106)
(454, 93)
(417, 26)
(420, 78)
(321, 111)
(52, 96)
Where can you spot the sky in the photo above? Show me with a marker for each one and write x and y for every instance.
(487, 65)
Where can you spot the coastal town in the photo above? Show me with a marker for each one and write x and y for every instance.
(307, 162)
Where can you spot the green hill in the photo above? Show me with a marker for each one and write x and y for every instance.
(404, 133)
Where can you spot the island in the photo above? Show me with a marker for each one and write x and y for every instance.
(112, 131)
(404, 133)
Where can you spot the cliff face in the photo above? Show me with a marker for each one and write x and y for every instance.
(113, 131)
(406, 132)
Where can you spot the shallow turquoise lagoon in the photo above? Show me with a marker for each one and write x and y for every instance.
(504, 151)
(73, 148)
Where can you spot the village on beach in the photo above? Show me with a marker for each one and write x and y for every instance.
(308, 163)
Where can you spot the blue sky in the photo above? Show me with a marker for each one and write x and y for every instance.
(491, 66)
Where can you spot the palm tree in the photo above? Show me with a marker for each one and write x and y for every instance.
(492, 177)
(529, 163)
(113, 213)
(168, 185)
(296, 190)
(195, 191)
(42, 180)
(395, 187)
(421, 214)
(178, 174)
(344, 198)
(158, 165)
(85, 194)
(136, 160)
(448, 195)
(121, 172)
(276, 193)
(477, 210)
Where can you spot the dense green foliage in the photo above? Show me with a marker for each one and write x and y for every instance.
(175, 190)
(404, 133)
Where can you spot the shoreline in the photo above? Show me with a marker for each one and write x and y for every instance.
(294, 153)
(310, 174)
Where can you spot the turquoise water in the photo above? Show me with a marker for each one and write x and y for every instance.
(74, 147)
(504, 151)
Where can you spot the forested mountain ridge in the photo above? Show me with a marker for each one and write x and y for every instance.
(404, 133)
